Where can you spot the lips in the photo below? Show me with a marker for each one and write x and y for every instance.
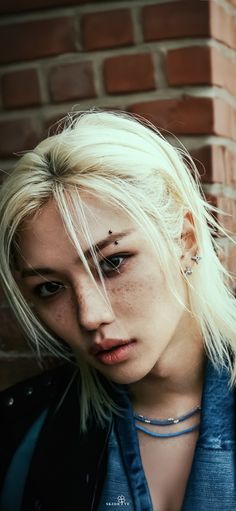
(113, 351)
(107, 345)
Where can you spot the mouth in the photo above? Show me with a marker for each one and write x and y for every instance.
(111, 352)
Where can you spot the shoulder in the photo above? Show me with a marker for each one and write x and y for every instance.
(22, 403)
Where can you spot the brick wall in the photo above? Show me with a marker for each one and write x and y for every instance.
(171, 61)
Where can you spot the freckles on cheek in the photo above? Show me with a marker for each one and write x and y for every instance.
(64, 316)
(56, 318)
(129, 295)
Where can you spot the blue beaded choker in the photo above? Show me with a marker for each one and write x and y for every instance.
(167, 422)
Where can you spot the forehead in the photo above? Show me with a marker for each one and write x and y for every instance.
(46, 230)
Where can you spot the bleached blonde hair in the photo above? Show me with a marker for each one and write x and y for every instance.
(126, 162)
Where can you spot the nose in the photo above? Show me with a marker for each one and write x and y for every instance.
(92, 306)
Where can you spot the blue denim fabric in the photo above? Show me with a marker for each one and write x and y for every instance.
(117, 490)
(125, 467)
(211, 484)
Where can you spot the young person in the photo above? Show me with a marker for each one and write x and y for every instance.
(108, 259)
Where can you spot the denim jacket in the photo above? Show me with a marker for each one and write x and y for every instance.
(212, 482)
(109, 462)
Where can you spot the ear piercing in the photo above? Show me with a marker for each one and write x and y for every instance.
(196, 258)
(188, 271)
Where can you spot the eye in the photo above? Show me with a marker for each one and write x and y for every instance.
(48, 289)
(113, 263)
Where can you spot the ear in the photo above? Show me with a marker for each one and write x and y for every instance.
(188, 242)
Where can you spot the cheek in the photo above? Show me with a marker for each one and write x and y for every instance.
(122, 296)
(138, 293)
(59, 317)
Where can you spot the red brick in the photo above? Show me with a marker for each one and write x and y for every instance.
(185, 18)
(72, 81)
(190, 115)
(223, 71)
(189, 66)
(36, 39)
(223, 25)
(229, 220)
(21, 89)
(107, 29)
(224, 163)
(216, 164)
(222, 160)
(212, 162)
(176, 19)
(196, 65)
(203, 160)
(224, 119)
(226, 221)
(52, 123)
(129, 73)
(10, 6)
(17, 135)
(213, 200)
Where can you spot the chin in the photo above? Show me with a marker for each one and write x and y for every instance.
(126, 377)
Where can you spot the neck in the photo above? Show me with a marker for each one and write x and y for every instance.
(175, 383)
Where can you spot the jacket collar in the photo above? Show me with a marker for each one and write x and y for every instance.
(217, 429)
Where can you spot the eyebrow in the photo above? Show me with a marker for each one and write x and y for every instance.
(111, 238)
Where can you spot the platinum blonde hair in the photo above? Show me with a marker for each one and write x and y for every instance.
(128, 163)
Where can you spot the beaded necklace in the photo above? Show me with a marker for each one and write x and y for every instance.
(167, 422)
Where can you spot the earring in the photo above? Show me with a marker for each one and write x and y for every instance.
(196, 258)
(188, 271)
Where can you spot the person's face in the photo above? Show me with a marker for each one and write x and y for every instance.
(124, 341)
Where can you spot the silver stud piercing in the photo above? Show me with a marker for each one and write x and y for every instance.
(188, 271)
(196, 258)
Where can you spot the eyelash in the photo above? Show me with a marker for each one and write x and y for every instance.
(110, 273)
(114, 269)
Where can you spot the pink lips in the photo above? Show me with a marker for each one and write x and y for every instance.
(112, 351)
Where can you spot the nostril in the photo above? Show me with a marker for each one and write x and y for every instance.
(93, 312)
